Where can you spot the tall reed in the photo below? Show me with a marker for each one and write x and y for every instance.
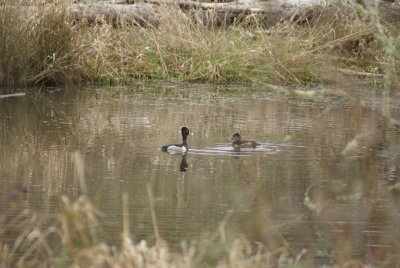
(37, 44)
(71, 241)
(389, 37)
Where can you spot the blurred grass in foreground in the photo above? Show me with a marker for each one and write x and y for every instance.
(72, 241)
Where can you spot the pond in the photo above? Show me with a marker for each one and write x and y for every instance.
(300, 188)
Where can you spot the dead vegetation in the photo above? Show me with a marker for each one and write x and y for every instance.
(73, 240)
(53, 47)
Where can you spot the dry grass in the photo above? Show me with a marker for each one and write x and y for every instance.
(72, 241)
(39, 48)
(182, 48)
(48, 48)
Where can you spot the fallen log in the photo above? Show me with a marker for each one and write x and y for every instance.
(141, 13)
(268, 12)
(12, 95)
(359, 74)
(138, 14)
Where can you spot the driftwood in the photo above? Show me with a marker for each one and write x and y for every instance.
(12, 95)
(269, 12)
(144, 12)
(359, 74)
(140, 14)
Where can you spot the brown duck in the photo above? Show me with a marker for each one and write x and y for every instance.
(238, 143)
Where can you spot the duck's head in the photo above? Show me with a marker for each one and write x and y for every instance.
(236, 137)
(185, 132)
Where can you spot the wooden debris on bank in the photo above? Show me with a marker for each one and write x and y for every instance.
(12, 95)
(146, 12)
(268, 12)
(359, 74)
(138, 14)
(141, 13)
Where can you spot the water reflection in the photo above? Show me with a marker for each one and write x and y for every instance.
(299, 189)
(184, 165)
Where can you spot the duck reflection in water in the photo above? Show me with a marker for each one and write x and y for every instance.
(238, 143)
(184, 165)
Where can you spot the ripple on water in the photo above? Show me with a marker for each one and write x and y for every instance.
(225, 149)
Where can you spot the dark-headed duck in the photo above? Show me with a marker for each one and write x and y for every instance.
(238, 143)
(178, 148)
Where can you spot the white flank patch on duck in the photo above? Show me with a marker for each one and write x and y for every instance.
(176, 149)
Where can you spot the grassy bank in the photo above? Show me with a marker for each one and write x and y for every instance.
(48, 48)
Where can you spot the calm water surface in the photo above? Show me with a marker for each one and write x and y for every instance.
(296, 190)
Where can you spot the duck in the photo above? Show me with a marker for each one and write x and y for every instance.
(178, 148)
(238, 143)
